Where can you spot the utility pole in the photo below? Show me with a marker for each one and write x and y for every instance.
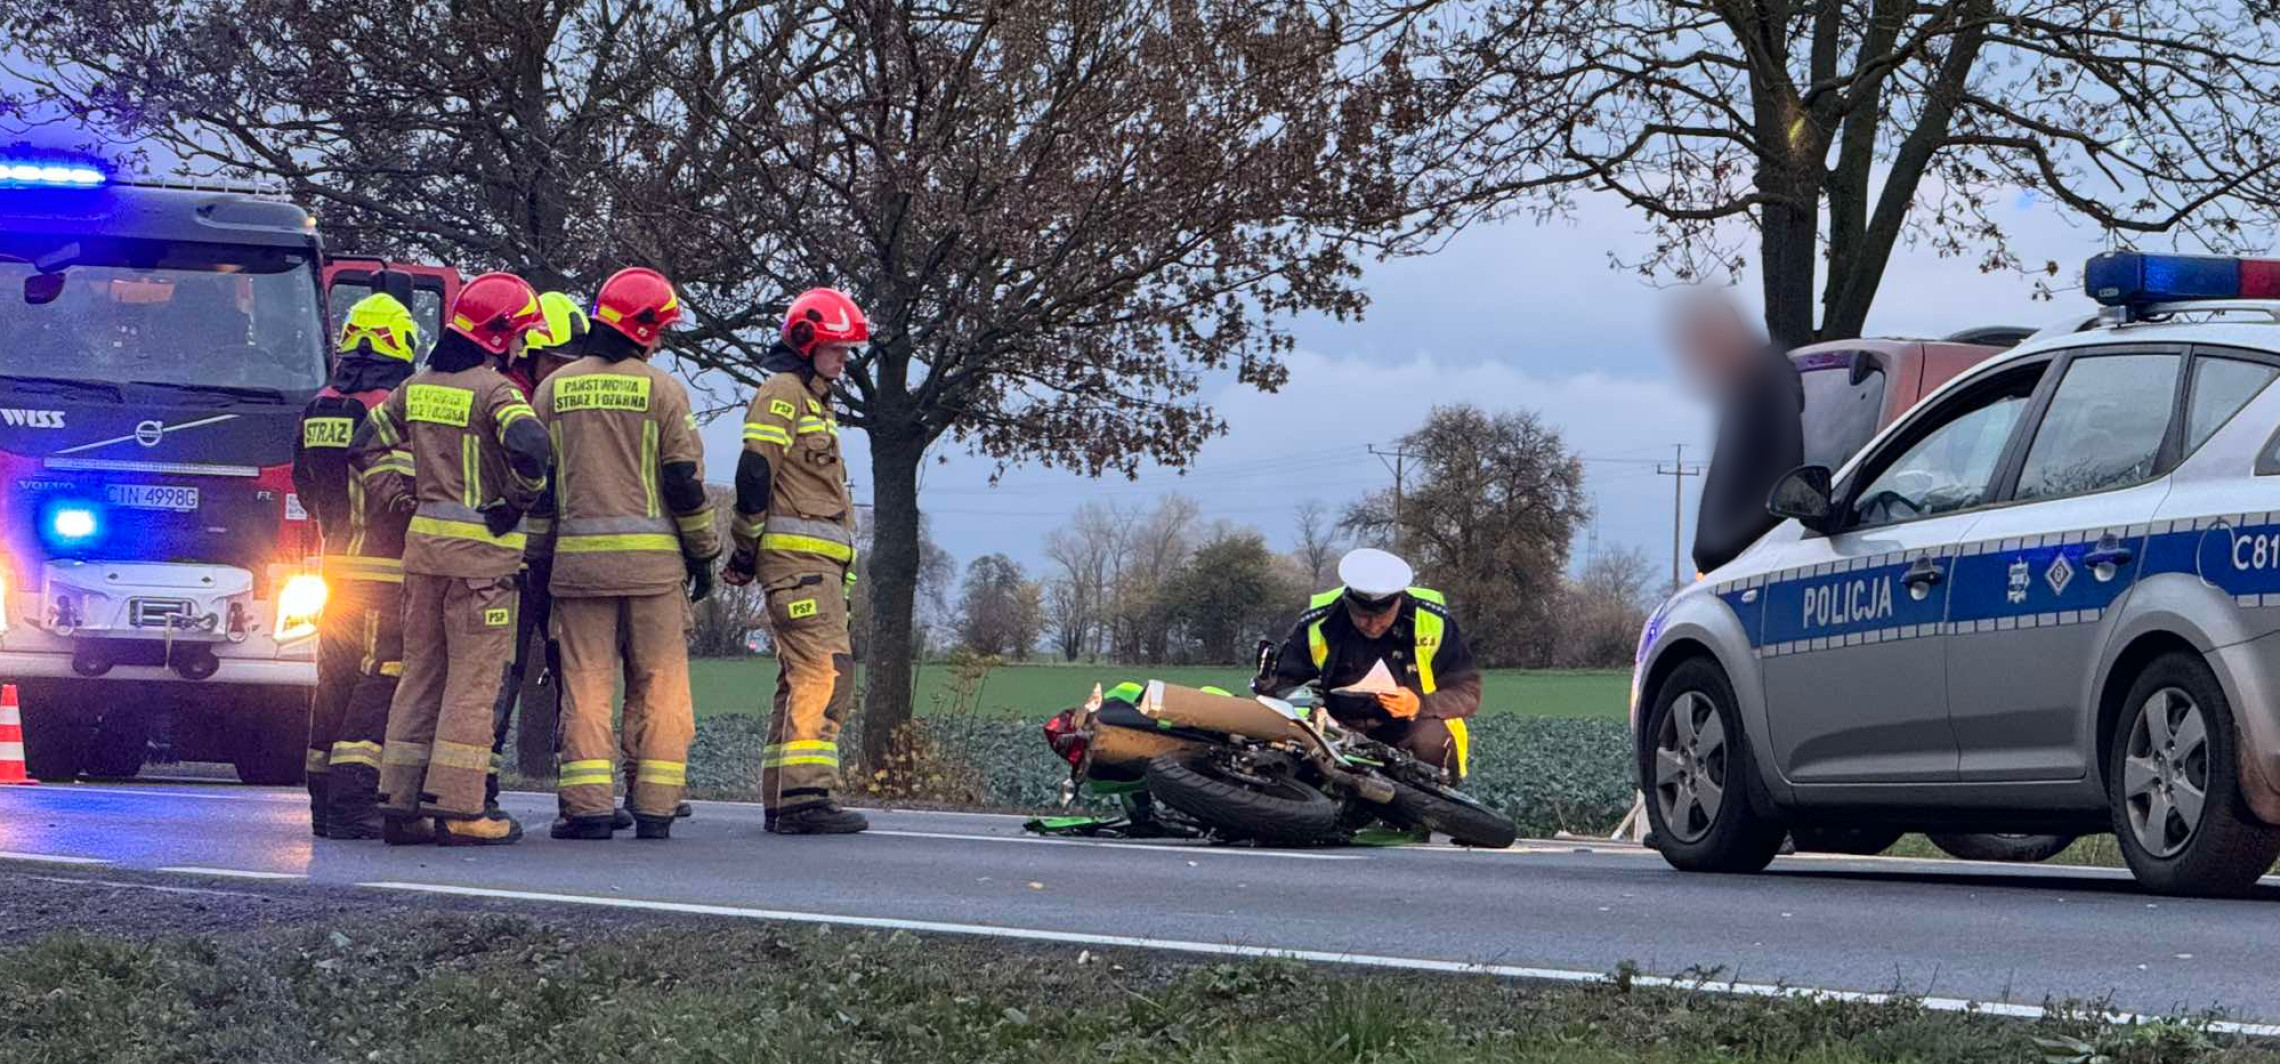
(1396, 460)
(1677, 471)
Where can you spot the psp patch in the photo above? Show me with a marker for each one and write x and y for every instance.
(498, 618)
(782, 409)
(802, 608)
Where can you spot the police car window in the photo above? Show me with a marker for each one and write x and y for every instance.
(2221, 386)
(1948, 469)
(2104, 427)
(1840, 416)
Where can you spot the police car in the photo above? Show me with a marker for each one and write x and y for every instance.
(2047, 599)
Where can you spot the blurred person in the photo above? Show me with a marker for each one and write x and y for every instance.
(1760, 404)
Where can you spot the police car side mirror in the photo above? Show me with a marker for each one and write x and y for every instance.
(1803, 493)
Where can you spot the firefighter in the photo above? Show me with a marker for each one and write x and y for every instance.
(1378, 617)
(481, 456)
(795, 533)
(358, 633)
(631, 531)
(549, 346)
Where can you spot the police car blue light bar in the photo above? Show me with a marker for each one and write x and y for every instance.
(48, 174)
(2134, 278)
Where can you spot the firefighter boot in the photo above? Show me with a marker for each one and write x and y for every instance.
(353, 801)
(817, 818)
(408, 831)
(623, 817)
(493, 828)
(318, 792)
(582, 827)
(652, 827)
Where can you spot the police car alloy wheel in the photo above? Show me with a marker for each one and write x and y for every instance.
(1697, 770)
(2174, 780)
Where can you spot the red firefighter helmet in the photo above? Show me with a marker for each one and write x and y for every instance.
(495, 308)
(638, 302)
(824, 316)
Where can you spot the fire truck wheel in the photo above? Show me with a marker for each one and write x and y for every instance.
(120, 744)
(56, 738)
(268, 744)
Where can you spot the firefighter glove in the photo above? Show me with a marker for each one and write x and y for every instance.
(700, 578)
(1402, 703)
(500, 518)
(738, 571)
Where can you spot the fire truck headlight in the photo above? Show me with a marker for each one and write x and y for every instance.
(299, 605)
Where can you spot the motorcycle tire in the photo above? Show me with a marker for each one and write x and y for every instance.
(1464, 822)
(1283, 813)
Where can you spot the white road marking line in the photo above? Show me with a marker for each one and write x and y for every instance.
(1228, 949)
(50, 858)
(232, 873)
(161, 888)
(153, 792)
(1127, 847)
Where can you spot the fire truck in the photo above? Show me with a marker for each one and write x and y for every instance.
(159, 579)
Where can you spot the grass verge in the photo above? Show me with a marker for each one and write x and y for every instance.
(458, 988)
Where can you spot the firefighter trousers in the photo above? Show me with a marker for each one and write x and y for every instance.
(353, 759)
(815, 685)
(459, 639)
(649, 634)
(531, 622)
(339, 647)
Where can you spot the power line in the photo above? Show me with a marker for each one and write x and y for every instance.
(1677, 471)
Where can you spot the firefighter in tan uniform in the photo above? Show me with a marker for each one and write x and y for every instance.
(362, 542)
(795, 534)
(630, 526)
(481, 457)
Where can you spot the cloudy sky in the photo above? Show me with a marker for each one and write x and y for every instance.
(1514, 316)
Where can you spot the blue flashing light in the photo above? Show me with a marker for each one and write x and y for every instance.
(73, 524)
(2134, 278)
(50, 174)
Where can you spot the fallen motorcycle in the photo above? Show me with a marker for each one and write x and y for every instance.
(1201, 762)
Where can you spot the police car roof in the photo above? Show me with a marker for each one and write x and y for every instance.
(158, 211)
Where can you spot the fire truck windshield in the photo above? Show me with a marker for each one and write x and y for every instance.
(160, 312)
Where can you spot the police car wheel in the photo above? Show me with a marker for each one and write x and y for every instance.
(1697, 767)
(2174, 784)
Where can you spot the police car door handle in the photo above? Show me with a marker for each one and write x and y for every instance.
(1923, 574)
(2105, 554)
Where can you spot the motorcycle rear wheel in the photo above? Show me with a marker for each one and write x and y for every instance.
(1465, 823)
(1277, 810)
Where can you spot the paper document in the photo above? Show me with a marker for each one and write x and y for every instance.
(1379, 681)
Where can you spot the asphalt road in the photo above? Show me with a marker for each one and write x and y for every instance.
(2003, 935)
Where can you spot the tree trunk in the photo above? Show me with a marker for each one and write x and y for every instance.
(1789, 245)
(893, 578)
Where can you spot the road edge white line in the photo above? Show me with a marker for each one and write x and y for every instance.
(230, 873)
(51, 858)
(1226, 949)
(1121, 847)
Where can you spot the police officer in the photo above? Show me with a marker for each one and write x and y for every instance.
(1378, 617)
(362, 544)
(480, 457)
(631, 527)
(795, 533)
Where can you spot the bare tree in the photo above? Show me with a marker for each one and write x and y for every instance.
(1085, 553)
(1488, 520)
(1602, 610)
(1736, 126)
(1317, 542)
(999, 614)
(1059, 213)
(1154, 548)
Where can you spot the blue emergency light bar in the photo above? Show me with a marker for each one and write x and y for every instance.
(2134, 278)
(50, 174)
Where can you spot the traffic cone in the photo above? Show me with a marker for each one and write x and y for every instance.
(12, 738)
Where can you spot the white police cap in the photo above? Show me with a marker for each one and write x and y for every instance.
(1372, 574)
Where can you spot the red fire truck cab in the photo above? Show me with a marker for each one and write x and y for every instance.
(161, 579)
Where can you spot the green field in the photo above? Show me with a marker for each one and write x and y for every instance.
(746, 685)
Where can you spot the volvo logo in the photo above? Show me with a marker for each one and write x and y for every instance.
(148, 433)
